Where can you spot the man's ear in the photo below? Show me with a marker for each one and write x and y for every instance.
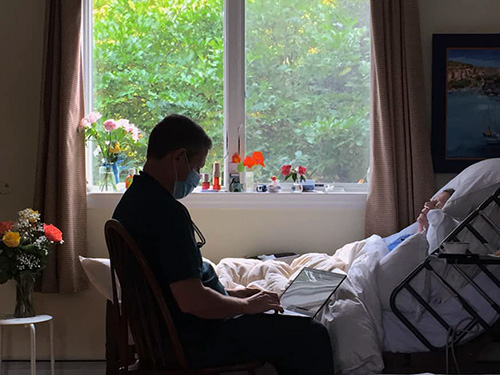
(179, 153)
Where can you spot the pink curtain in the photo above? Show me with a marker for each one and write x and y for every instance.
(60, 191)
(401, 175)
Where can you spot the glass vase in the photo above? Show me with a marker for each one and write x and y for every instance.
(249, 182)
(106, 178)
(25, 283)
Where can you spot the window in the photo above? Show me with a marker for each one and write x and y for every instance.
(290, 79)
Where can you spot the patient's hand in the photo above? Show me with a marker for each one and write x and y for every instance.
(242, 292)
(422, 221)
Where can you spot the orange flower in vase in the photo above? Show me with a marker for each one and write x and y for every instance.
(250, 162)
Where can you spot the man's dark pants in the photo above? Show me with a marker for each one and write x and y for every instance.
(293, 345)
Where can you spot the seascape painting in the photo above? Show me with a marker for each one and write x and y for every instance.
(472, 103)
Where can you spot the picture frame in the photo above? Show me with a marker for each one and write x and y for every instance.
(465, 100)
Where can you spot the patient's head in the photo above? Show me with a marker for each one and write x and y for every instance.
(439, 200)
(435, 203)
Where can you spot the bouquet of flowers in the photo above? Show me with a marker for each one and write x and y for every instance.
(24, 247)
(115, 140)
(295, 173)
(257, 158)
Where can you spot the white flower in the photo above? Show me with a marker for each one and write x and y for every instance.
(27, 261)
(41, 242)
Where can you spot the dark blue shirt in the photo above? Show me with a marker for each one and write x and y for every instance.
(163, 230)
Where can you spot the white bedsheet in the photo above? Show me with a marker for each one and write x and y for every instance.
(360, 330)
(354, 319)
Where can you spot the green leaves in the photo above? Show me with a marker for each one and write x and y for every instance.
(307, 76)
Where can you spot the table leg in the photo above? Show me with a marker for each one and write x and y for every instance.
(52, 361)
(1, 350)
(33, 349)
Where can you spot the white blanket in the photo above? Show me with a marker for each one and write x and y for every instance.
(354, 319)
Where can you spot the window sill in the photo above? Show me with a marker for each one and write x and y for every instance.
(351, 200)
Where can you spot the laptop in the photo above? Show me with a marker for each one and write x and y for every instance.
(310, 291)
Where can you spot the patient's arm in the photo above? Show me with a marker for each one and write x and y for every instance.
(194, 298)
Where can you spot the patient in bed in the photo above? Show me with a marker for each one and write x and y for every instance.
(434, 203)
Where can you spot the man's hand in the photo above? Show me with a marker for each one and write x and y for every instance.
(262, 301)
(242, 292)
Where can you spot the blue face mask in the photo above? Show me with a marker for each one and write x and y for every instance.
(184, 188)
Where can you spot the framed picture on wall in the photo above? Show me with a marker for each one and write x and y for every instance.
(465, 100)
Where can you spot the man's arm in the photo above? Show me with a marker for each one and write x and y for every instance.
(194, 298)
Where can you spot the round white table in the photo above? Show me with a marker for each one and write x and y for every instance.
(30, 322)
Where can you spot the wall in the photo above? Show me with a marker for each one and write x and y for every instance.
(449, 17)
(79, 317)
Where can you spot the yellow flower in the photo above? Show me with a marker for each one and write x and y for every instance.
(116, 149)
(313, 50)
(11, 239)
(34, 216)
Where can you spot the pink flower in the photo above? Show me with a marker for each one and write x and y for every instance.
(89, 120)
(110, 125)
(83, 124)
(286, 169)
(135, 133)
(93, 117)
(302, 170)
(129, 128)
(123, 123)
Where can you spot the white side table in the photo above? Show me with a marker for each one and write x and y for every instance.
(30, 322)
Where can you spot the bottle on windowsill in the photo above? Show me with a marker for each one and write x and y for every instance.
(205, 184)
(216, 177)
(129, 178)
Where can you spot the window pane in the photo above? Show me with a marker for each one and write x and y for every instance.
(156, 57)
(308, 86)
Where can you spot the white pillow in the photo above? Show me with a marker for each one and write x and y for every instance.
(99, 274)
(472, 186)
(440, 226)
(398, 264)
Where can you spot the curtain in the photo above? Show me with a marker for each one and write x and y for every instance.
(60, 191)
(401, 177)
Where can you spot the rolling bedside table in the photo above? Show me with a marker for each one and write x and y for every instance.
(30, 322)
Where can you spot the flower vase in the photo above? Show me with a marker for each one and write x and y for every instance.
(249, 182)
(25, 282)
(106, 178)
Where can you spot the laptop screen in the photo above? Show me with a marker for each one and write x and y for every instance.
(310, 290)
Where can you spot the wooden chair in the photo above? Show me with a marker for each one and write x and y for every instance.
(144, 309)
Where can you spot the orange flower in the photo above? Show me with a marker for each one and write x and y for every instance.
(249, 162)
(259, 158)
(5, 226)
(52, 233)
(236, 158)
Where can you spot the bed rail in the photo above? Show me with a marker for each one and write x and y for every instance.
(467, 265)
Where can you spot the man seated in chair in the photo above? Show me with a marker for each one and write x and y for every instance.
(216, 326)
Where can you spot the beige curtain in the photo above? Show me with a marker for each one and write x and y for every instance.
(402, 178)
(60, 191)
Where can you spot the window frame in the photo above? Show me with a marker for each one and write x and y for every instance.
(234, 104)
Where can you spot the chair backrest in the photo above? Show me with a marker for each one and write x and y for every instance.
(142, 305)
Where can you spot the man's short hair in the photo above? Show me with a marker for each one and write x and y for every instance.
(175, 132)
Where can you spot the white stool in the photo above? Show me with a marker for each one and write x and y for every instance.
(30, 322)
